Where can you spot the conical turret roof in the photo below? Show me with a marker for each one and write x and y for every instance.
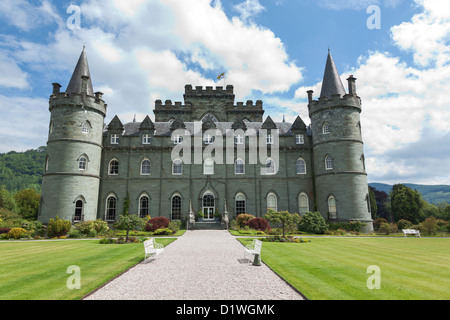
(331, 83)
(81, 69)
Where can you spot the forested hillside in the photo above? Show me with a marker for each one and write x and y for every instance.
(22, 170)
(433, 194)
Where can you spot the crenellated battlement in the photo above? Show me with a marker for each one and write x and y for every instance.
(249, 104)
(77, 100)
(189, 90)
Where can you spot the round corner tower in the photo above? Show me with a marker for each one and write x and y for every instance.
(71, 179)
(340, 177)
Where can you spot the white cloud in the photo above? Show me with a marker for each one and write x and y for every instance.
(249, 9)
(11, 75)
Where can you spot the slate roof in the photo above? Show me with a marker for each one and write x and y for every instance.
(331, 83)
(163, 128)
(81, 69)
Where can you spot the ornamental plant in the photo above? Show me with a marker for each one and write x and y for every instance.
(288, 221)
(17, 233)
(58, 227)
(157, 223)
(243, 218)
(312, 222)
(259, 224)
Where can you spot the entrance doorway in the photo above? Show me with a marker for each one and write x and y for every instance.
(208, 207)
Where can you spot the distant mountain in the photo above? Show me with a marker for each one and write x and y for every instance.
(431, 193)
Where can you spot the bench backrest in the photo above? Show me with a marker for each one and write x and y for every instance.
(258, 245)
(148, 244)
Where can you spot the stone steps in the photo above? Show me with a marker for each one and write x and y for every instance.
(209, 225)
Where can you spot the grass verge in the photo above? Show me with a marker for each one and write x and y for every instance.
(336, 268)
(37, 270)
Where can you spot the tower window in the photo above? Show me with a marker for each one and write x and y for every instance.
(114, 139)
(85, 127)
(332, 207)
(328, 162)
(145, 167)
(82, 163)
(326, 128)
(300, 166)
(113, 167)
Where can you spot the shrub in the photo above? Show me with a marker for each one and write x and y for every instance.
(387, 228)
(312, 222)
(58, 227)
(377, 223)
(259, 224)
(162, 232)
(87, 227)
(17, 233)
(430, 225)
(243, 218)
(4, 230)
(174, 225)
(74, 233)
(157, 223)
(106, 241)
(404, 224)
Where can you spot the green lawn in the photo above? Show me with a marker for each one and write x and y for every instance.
(37, 270)
(336, 268)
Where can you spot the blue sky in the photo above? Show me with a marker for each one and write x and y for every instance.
(274, 50)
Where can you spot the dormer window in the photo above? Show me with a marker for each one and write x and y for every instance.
(269, 138)
(146, 139)
(177, 139)
(208, 139)
(238, 139)
(299, 139)
(114, 139)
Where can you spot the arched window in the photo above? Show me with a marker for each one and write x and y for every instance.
(300, 166)
(326, 128)
(332, 207)
(177, 167)
(144, 206)
(272, 201)
(239, 166)
(113, 167)
(46, 163)
(239, 203)
(303, 205)
(208, 166)
(78, 211)
(82, 163)
(110, 213)
(85, 127)
(328, 162)
(176, 207)
(270, 166)
(145, 167)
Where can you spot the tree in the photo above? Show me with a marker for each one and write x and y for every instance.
(286, 219)
(383, 204)
(406, 203)
(373, 203)
(7, 200)
(313, 222)
(28, 203)
(128, 222)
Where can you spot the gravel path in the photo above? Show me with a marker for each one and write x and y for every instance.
(200, 265)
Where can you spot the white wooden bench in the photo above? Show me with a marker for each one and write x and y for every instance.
(152, 248)
(411, 231)
(254, 248)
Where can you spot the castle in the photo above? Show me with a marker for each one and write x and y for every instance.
(243, 162)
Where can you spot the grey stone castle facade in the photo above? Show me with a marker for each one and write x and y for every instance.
(92, 169)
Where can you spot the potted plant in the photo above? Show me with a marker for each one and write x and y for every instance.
(217, 215)
(200, 216)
